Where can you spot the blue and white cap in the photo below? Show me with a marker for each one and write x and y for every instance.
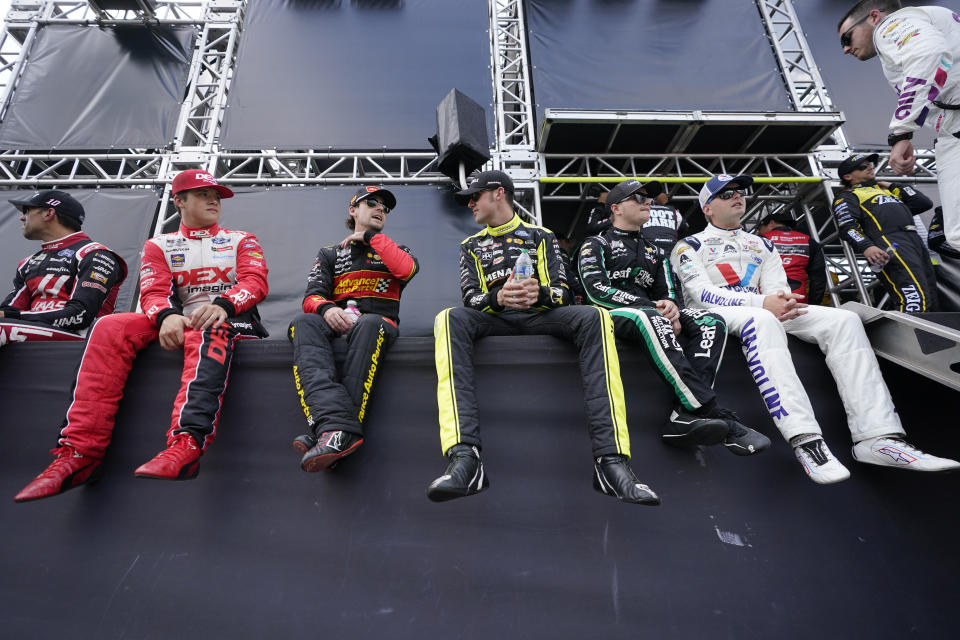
(718, 183)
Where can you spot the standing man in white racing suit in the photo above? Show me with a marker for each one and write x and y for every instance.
(918, 47)
(740, 277)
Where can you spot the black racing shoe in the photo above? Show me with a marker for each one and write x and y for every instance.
(464, 475)
(612, 476)
(330, 447)
(685, 428)
(741, 439)
(302, 444)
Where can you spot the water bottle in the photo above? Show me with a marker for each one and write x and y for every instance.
(891, 251)
(523, 269)
(352, 311)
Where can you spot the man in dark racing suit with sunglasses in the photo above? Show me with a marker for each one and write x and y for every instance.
(497, 302)
(368, 269)
(627, 274)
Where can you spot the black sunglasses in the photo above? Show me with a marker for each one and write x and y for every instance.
(845, 36)
(476, 196)
(639, 197)
(372, 203)
(726, 194)
(863, 167)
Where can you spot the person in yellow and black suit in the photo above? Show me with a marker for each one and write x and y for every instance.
(874, 216)
(498, 303)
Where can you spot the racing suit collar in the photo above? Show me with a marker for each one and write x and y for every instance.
(624, 233)
(54, 245)
(202, 232)
(506, 227)
(715, 229)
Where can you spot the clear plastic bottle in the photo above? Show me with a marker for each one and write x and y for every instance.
(891, 251)
(352, 310)
(523, 269)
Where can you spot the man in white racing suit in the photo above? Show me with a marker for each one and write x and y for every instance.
(917, 47)
(740, 277)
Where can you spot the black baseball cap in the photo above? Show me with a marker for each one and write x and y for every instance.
(854, 161)
(485, 181)
(363, 193)
(782, 218)
(627, 188)
(60, 201)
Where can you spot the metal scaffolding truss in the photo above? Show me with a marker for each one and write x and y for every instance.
(135, 168)
(211, 70)
(327, 167)
(81, 12)
(515, 148)
(807, 89)
(682, 173)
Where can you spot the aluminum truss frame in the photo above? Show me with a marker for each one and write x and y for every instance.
(515, 151)
(807, 90)
(198, 129)
(511, 78)
(80, 12)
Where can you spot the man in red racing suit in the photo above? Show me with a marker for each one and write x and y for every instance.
(371, 270)
(801, 255)
(60, 290)
(198, 291)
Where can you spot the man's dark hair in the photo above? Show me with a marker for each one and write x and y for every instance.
(351, 222)
(864, 7)
(70, 223)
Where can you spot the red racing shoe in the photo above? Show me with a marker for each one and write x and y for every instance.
(70, 469)
(179, 461)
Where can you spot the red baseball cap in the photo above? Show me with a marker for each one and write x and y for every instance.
(198, 179)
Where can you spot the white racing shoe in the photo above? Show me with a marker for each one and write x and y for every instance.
(893, 451)
(817, 461)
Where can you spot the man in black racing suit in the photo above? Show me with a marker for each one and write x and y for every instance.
(875, 216)
(496, 302)
(60, 290)
(370, 270)
(624, 272)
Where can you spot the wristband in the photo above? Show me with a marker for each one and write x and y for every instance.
(894, 138)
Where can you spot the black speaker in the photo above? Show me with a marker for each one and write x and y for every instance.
(461, 135)
(147, 6)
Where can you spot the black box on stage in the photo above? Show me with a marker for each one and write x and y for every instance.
(461, 135)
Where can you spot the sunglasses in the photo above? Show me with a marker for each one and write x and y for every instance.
(476, 196)
(845, 36)
(373, 204)
(639, 197)
(726, 194)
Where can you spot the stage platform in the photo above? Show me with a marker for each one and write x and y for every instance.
(254, 547)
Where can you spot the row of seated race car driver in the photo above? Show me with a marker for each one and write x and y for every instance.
(733, 283)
